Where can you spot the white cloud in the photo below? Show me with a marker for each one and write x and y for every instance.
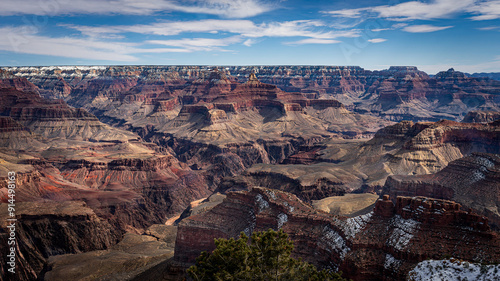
(224, 8)
(246, 28)
(381, 29)
(198, 44)
(348, 13)
(418, 10)
(102, 42)
(377, 40)
(313, 41)
(227, 8)
(436, 9)
(27, 41)
(249, 42)
(170, 28)
(487, 10)
(424, 28)
(489, 28)
(301, 28)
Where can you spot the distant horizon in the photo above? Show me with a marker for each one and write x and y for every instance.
(249, 65)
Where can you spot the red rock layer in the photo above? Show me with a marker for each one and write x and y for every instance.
(473, 181)
(382, 245)
(427, 135)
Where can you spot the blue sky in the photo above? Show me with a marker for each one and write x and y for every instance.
(433, 35)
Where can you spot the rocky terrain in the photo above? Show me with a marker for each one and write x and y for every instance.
(398, 93)
(472, 181)
(110, 159)
(481, 116)
(46, 229)
(334, 167)
(63, 155)
(131, 257)
(412, 230)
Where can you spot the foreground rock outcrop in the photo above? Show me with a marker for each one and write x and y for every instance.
(381, 245)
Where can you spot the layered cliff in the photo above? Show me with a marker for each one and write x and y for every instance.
(481, 116)
(47, 229)
(347, 244)
(54, 118)
(331, 166)
(398, 93)
(62, 155)
(472, 181)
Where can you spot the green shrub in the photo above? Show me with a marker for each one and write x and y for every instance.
(266, 257)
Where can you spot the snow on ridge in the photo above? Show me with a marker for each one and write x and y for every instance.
(485, 162)
(331, 240)
(403, 232)
(391, 262)
(354, 225)
(282, 219)
(78, 70)
(263, 204)
(453, 270)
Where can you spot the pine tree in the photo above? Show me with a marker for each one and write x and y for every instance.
(266, 257)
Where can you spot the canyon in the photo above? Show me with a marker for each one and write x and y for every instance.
(145, 165)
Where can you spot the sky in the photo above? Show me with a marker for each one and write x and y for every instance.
(433, 35)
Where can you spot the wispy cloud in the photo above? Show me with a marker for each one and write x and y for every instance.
(199, 44)
(487, 10)
(104, 42)
(417, 10)
(377, 40)
(313, 41)
(424, 28)
(170, 28)
(489, 28)
(246, 28)
(249, 42)
(224, 8)
(23, 40)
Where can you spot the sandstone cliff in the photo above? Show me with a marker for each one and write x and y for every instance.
(472, 181)
(47, 229)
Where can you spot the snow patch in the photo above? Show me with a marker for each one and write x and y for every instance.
(403, 232)
(354, 225)
(282, 219)
(263, 204)
(290, 207)
(333, 242)
(454, 270)
(251, 222)
(391, 263)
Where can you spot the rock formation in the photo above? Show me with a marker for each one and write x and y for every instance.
(481, 116)
(382, 245)
(47, 229)
(182, 132)
(398, 93)
(472, 181)
(406, 148)
(62, 155)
